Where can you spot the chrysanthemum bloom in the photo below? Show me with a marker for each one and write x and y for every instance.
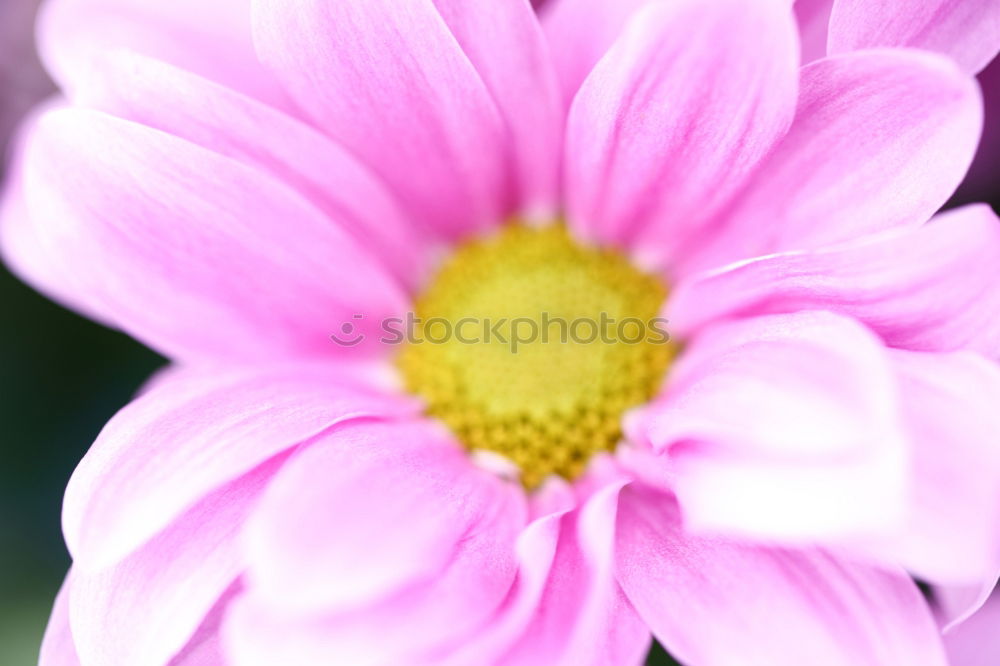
(243, 182)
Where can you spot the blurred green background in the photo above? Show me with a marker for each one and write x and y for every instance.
(62, 377)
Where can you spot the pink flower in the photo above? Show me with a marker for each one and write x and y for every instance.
(233, 184)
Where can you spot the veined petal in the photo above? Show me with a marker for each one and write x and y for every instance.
(211, 39)
(390, 81)
(144, 609)
(651, 156)
(719, 602)
(504, 42)
(170, 99)
(881, 139)
(929, 288)
(966, 30)
(202, 429)
(195, 253)
(583, 618)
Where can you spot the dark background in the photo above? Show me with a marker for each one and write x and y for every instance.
(62, 377)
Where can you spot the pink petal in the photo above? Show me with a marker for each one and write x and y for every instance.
(504, 42)
(949, 402)
(928, 288)
(880, 140)
(583, 617)
(390, 81)
(977, 641)
(209, 38)
(320, 538)
(652, 155)
(966, 30)
(193, 252)
(784, 426)
(714, 601)
(22, 247)
(166, 98)
(57, 644)
(379, 544)
(143, 610)
(580, 32)
(202, 429)
(535, 552)
(813, 17)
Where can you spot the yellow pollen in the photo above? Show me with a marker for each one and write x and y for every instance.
(530, 345)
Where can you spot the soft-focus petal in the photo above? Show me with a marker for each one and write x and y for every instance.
(583, 617)
(580, 32)
(966, 30)
(504, 42)
(976, 642)
(949, 403)
(143, 610)
(813, 17)
(784, 426)
(175, 101)
(929, 288)
(673, 119)
(193, 252)
(322, 537)
(379, 544)
(191, 434)
(57, 644)
(880, 140)
(714, 602)
(390, 81)
(209, 38)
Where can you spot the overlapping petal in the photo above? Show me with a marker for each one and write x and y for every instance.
(966, 30)
(671, 122)
(195, 253)
(782, 427)
(929, 288)
(208, 38)
(418, 111)
(193, 433)
(719, 602)
(881, 139)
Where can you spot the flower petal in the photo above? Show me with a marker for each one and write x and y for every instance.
(193, 252)
(328, 577)
(949, 402)
(929, 288)
(202, 429)
(580, 32)
(966, 30)
(714, 601)
(143, 610)
(170, 99)
(390, 82)
(794, 415)
(209, 38)
(583, 617)
(977, 641)
(880, 140)
(319, 540)
(650, 154)
(57, 644)
(504, 42)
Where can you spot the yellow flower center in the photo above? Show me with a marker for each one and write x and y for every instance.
(532, 346)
